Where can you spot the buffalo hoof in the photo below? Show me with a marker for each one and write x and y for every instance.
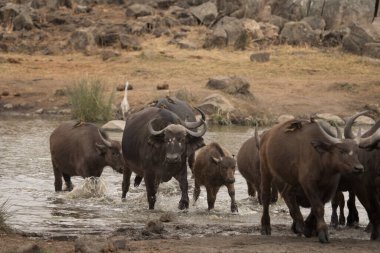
(234, 208)
(297, 228)
(323, 237)
(266, 230)
(183, 205)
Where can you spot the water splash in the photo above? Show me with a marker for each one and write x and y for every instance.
(91, 187)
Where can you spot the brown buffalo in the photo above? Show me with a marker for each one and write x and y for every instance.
(301, 154)
(248, 163)
(82, 149)
(214, 166)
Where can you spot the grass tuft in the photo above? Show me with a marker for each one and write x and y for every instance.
(89, 102)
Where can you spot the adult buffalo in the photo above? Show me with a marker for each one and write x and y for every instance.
(82, 149)
(248, 162)
(301, 154)
(367, 185)
(156, 143)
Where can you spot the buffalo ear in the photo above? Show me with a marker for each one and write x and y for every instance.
(215, 159)
(193, 145)
(321, 146)
(102, 149)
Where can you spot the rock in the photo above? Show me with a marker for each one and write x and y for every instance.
(5, 93)
(8, 106)
(315, 22)
(278, 21)
(205, 13)
(253, 29)
(29, 248)
(196, 2)
(167, 217)
(299, 33)
(216, 103)
(359, 35)
(373, 107)
(332, 38)
(106, 36)
(39, 111)
(82, 9)
(165, 4)
(91, 244)
(372, 50)
(60, 92)
(163, 86)
(129, 42)
(227, 7)
(139, 10)
(260, 57)
(232, 85)
(65, 111)
(331, 118)
(155, 226)
(217, 39)
(22, 21)
(185, 44)
(269, 31)
(114, 125)
(81, 39)
(109, 54)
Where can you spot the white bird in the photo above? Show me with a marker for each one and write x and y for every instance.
(124, 104)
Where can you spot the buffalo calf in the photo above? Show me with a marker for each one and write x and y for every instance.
(82, 149)
(214, 167)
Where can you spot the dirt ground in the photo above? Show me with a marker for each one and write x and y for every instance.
(297, 80)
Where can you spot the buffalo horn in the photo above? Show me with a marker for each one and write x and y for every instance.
(348, 128)
(193, 125)
(371, 140)
(106, 142)
(372, 130)
(327, 135)
(198, 134)
(152, 131)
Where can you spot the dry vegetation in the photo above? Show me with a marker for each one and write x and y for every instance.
(297, 80)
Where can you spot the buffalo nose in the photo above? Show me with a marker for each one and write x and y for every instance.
(230, 180)
(173, 158)
(358, 169)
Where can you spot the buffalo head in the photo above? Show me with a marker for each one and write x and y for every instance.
(111, 151)
(226, 166)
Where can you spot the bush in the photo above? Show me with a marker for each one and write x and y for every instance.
(88, 101)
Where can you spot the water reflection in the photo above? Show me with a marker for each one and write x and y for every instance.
(27, 181)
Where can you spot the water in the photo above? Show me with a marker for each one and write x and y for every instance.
(27, 182)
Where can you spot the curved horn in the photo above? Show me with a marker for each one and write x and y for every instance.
(106, 142)
(348, 128)
(193, 125)
(198, 134)
(372, 130)
(327, 135)
(371, 140)
(152, 131)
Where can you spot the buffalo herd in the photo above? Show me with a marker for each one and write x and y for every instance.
(302, 159)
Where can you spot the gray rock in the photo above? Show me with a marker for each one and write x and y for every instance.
(167, 217)
(139, 10)
(165, 4)
(155, 226)
(216, 103)
(81, 39)
(109, 54)
(372, 50)
(269, 31)
(260, 57)
(40, 111)
(90, 244)
(315, 22)
(331, 118)
(358, 36)
(299, 33)
(129, 42)
(232, 85)
(217, 39)
(237, 36)
(22, 21)
(82, 9)
(8, 106)
(227, 7)
(253, 29)
(205, 13)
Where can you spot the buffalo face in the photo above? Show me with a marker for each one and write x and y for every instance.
(227, 166)
(111, 151)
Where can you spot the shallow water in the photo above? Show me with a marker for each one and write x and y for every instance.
(27, 182)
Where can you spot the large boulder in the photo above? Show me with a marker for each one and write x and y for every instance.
(139, 10)
(228, 7)
(359, 35)
(205, 13)
(17, 15)
(81, 39)
(230, 84)
(216, 103)
(299, 33)
(372, 50)
(233, 28)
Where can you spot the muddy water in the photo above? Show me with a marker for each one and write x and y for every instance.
(26, 182)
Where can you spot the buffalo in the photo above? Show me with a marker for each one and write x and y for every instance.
(366, 186)
(82, 149)
(248, 163)
(156, 144)
(214, 167)
(302, 155)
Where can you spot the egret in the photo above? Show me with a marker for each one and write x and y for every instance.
(124, 104)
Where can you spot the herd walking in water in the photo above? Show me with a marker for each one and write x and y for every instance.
(302, 159)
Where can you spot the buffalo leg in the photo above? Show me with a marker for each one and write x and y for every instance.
(310, 225)
(151, 188)
(69, 184)
(231, 192)
(57, 179)
(183, 184)
(197, 191)
(338, 200)
(251, 189)
(126, 182)
(274, 195)
(353, 215)
(290, 199)
(211, 196)
(318, 210)
(190, 161)
(266, 181)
